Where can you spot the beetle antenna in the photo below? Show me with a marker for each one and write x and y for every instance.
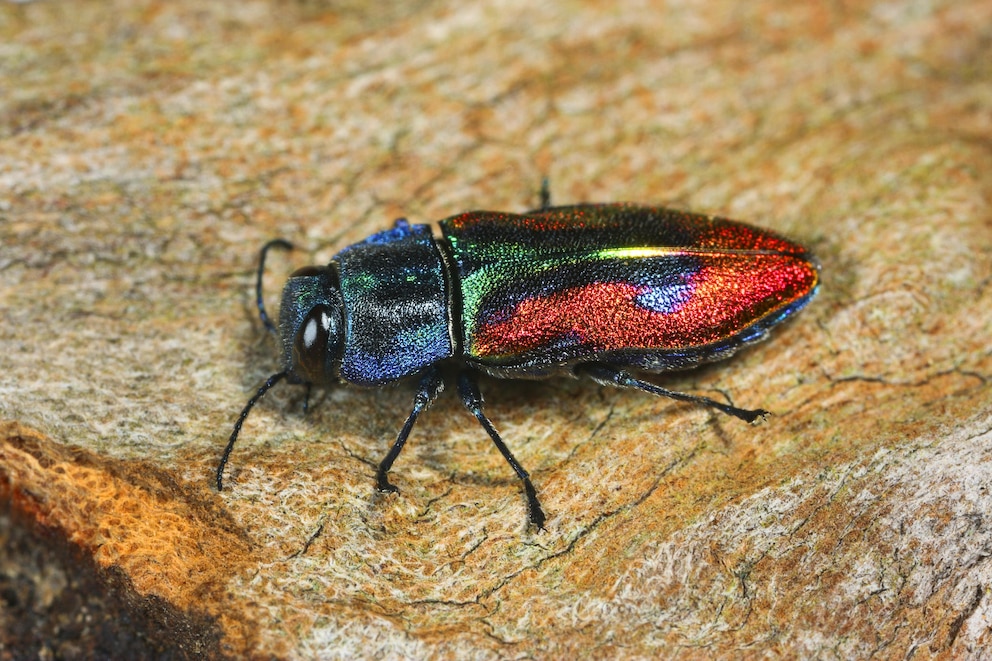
(278, 243)
(271, 381)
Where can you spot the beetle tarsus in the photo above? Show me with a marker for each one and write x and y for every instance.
(534, 512)
(430, 387)
(471, 397)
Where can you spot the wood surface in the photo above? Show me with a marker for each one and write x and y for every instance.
(148, 149)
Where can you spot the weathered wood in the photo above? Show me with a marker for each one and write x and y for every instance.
(148, 149)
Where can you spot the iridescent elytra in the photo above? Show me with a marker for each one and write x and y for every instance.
(604, 291)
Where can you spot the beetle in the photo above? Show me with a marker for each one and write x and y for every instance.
(602, 291)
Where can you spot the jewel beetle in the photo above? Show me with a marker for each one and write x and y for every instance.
(603, 291)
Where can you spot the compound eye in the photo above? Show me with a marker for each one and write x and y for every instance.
(308, 271)
(316, 338)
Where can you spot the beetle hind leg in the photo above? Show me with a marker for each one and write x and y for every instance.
(611, 376)
(545, 194)
(471, 397)
(430, 387)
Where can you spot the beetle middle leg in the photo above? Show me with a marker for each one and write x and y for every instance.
(468, 389)
(607, 375)
(430, 387)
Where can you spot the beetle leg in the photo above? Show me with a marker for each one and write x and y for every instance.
(306, 400)
(271, 381)
(468, 389)
(607, 375)
(430, 387)
(545, 194)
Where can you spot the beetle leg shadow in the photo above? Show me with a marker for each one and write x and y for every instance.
(607, 375)
(471, 396)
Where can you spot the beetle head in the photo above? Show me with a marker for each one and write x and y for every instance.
(310, 325)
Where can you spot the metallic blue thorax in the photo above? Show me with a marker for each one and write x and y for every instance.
(396, 319)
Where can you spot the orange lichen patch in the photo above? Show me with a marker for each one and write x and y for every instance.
(133, 520)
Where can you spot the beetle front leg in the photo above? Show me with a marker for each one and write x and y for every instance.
(607, 375)
(468, 389)
(430, 387)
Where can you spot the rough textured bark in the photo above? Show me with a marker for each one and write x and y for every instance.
(148, 149)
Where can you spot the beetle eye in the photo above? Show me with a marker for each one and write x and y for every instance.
(308, 271)
(315, 341)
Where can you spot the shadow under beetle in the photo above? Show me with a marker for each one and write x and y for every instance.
(591, 290)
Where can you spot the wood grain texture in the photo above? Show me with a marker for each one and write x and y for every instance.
(148, 149)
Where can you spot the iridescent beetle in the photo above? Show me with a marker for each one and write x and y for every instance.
(591, 290)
